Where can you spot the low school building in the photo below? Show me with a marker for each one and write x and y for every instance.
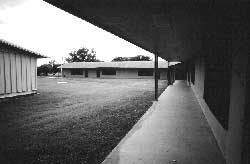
(123, 69)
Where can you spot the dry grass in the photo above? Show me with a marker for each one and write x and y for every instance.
(77, 122)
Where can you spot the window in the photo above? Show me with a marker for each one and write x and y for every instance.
(76, 71)
(145, 72)
(108, 71)
(217, 83)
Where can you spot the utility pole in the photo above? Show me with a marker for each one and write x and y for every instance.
(61, 67)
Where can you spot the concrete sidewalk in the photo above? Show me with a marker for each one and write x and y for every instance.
(174, 130)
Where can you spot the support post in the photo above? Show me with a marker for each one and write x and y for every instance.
(156, 77)
(168, 74)
(173, 73)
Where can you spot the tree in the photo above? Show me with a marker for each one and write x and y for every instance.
(44, 70)
(120, 59)
(141, 58)
(135, 58)
(82, 55)
(54, 66)
(52, 62)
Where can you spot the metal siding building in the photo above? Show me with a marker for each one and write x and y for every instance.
(18, 70)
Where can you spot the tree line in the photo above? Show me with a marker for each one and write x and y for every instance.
(86, 55)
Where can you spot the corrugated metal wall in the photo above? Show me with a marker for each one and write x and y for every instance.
(17, 72)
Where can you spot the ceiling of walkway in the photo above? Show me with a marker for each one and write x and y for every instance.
(171, 28)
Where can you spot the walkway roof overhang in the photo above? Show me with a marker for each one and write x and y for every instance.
(173, 29)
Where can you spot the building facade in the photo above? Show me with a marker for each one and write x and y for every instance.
(18, 70)
(121, 70)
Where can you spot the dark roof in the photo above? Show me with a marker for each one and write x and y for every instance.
(6, 43)
(122, 64)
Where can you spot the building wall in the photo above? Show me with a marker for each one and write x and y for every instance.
(126, 74)
(92, 73)
(163, 74)
(236, 114)
(67, 73)
(199, 76)
(120, 73)
(246, 120)
(198, 88)
(17, 73)
(238, 95)
(233, 141)
(180, 71)
(229, 140)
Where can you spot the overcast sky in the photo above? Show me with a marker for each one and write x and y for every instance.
(41, 27)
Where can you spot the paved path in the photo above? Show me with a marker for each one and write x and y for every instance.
(174, 130)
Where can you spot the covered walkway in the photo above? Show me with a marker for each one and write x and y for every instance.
(174, 130)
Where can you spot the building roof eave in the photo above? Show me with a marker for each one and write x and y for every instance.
(8, 44)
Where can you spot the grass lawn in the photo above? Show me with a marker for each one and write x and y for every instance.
(80, 121)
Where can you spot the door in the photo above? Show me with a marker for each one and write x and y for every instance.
(98, 73)
(86, 73)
